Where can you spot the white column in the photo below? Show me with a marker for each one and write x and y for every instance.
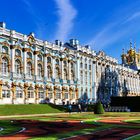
(53, 68)
(62, 69)
(84, 81)
(35, 62)
(13, 57)
(24, 60)
(77, 75)
(94, 81)
(77, 71)
(69, 71)
(45, 66)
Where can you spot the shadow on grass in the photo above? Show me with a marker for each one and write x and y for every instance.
(60, 108)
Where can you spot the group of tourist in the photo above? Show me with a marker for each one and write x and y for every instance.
(79, 108)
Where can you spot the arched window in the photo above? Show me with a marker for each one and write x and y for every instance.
(29, 55)
(39, 58)
(17, 52)
(17, 67)
(41, 93)
(5, 92)
(48, 59)
(72, 94)
(81, 91)
(19, 92)
(30, 93)
(29, 69)
(57, 62)
(65, 74)
(50, 93)
(49, 72)
(4, 65)
(72, 66)
(39, 70)
(86, 77)
(65, 64)
(72, 75)
(57, 73)
(66, 95)
(58, 94)
(81, 77)
(81, 65)
(4, 49)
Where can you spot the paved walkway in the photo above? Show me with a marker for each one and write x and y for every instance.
(34, 115)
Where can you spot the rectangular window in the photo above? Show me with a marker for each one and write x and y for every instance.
(50, 95)
(66, 95)
(19, 94)
(73, 96)
(30, 94)
(6, 94)
(85, 66)
(89, 67)
(41, 94)
(58, 95)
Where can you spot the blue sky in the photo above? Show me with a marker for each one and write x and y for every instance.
(107, 25)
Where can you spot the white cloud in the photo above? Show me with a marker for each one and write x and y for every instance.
(107, 36)
(67, 14)
(133, 16)
(114, 31)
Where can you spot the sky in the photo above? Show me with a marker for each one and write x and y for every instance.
(107, 25)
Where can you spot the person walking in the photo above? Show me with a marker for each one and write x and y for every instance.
(86, 106)
(69, 108)
(79, 108)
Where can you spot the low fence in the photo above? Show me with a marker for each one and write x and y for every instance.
(133, 103)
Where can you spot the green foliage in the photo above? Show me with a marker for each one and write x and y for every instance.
(29, 109)
(8, 127)
(98, 108)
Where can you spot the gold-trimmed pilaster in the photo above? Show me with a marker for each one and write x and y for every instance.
(36, 93)
(1, 89)
(13, 89)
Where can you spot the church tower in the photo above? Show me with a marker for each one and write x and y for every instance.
(131, 58)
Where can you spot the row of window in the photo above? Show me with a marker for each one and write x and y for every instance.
(41, 94)
(29, 70)
(19, 94)
(39, 57)
(86, 66)
(86, 77)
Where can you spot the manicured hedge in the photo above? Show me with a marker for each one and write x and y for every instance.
(98, 108)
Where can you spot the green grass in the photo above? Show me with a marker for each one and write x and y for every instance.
(8, 127)
(137, 137)
(132, 121)
(88, 118)
(64, 117)
(29, 109)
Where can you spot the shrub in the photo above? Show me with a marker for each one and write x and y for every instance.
(98, 108)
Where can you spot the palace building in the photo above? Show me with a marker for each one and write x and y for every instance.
(35, 71)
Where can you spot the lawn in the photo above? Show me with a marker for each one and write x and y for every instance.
(88, 118)
(9, 127)
(137, 137)
(29, 109)
(133, 121)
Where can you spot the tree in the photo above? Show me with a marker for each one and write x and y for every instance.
(98, 109)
